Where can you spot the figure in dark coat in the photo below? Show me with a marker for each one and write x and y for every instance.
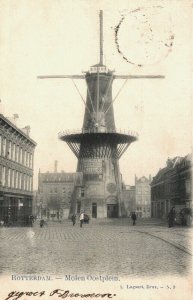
(42, 223)
(73, 218)
(134, 217)
(31, 220)
(171, 217)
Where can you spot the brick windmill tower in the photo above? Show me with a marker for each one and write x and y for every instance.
(98, 146)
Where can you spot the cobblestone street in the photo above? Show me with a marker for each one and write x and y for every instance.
(113, 247)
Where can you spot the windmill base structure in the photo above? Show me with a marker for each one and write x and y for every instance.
(98, 146)
(98, 153)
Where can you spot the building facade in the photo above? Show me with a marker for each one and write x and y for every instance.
(143, 196)
(128, 195)
(172, 186)
(16, 173)
(56, 191)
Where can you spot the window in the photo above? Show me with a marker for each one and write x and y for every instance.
(24, 157)
(9, 178)
(8, 149)
(188, 186)
(13, 179)
(82, 192)
(13, 152)
(27, 185)
(20, 181)
(4, 147)
(31, 161)
(27, 159)
(16, 153)
(31, 184)
(22, 160)
(19, 175)
(3, 176)
(25, 182)
(16, 180)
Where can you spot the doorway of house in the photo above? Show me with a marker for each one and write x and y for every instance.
(78, 207)
(94, 210)
(112, 210)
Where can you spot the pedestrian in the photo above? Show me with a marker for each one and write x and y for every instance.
(31, 220)
(81, 219)
(134, 218)
(41, 223)
(171, 217)
(73, 218)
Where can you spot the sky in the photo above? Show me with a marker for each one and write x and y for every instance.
(62, 37)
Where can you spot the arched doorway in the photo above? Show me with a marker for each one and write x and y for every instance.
(112, 207)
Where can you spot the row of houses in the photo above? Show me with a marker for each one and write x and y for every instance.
(172, 187)
(57, 190)
(137, 198)
(55, 194)
(16, 173)
(149, 197)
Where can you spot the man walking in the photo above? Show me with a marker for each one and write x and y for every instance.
(81, 219)
(73, 219)
(134, 218)
(171, 217)
(42, 223)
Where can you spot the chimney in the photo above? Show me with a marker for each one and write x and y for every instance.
(15, 118)
(56, 166)
(26, 130)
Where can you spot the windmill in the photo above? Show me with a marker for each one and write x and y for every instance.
(98, 146)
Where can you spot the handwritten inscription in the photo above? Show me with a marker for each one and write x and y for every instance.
(14, 295)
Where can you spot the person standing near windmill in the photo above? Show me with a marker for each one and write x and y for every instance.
(134, 218)
(171, 217)
(73, 218)
(81, 219)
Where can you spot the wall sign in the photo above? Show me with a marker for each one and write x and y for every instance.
(92, 166)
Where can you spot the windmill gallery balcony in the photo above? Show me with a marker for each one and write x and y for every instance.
(98, 142)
